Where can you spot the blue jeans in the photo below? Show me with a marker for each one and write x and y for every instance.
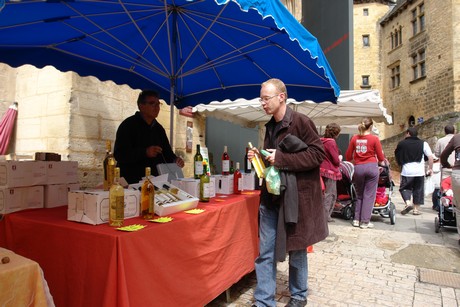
(266, 264)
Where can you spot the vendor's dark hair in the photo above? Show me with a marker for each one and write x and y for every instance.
(146, 93)
(332, 130)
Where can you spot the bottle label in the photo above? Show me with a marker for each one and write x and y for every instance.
(249, 165)
(206, 190)
(240, 184)
(198, 167)
(225, 165)
(119, 207)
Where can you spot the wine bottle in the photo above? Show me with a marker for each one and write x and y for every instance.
(204, 185)
(237, 180)
(232, 169)
(160, 198)
(108, 165)
(147, 196)
(198, 167)
(180, 195)
(225, 162)
(116, 201)
(247, 163)
(257, 162)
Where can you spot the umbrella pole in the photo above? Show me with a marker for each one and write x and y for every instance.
(171, 117)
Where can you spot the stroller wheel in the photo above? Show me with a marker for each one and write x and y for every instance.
(437, 226)
(392, 213)
(347, 212)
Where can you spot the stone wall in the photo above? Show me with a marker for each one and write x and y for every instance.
(430, 131)
(73, 116)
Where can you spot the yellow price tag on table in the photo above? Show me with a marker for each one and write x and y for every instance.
(194, 211)
(134, 227)
(163, 219)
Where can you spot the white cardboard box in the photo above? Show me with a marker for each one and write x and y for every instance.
(56, 194)
(223, 184)
(187, 201)
(15, 174)
(21, 198)
(58, 172)
(249, 181)
(192, 186)
(92, 206)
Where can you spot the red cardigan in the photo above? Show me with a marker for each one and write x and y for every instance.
(330, 166)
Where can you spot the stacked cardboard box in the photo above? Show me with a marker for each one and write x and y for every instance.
(35, 184)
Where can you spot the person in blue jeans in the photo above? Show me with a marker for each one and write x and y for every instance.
(295, 219)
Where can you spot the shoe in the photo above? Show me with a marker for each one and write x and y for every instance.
(407, 209)
(355, 223)
(330, 220)
(296, 303)
(416, 212)
(366, 225)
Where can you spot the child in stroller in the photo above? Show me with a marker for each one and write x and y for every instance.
(346, 195)
(446, 214)
(383, 204)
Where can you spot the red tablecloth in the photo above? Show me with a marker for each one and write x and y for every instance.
(186, 262)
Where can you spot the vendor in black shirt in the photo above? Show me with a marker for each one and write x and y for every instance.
(141, 140)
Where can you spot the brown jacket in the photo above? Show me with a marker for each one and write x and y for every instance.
(312, 224)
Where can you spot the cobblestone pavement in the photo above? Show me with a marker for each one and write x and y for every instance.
(406, 264)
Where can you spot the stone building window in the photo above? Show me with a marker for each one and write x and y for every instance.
(418, 19)
(365, 12)
(396, 38)
(366, 40)
(418, 65)
(395, 77)
(365, 81)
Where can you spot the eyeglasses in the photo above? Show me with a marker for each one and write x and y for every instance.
(153, 103)
(266, 99)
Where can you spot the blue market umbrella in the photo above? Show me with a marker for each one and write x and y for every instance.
(190, 51)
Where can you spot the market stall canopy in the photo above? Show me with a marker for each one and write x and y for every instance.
(350, 108)
(190, 51)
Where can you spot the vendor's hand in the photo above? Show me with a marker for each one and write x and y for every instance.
(153, 151)
(429, 172)
(180, 162)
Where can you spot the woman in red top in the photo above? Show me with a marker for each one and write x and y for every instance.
(365, 151)
(329, 168)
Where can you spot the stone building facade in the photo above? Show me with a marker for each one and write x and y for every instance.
(420, 67)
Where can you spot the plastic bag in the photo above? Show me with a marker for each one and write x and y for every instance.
(272, 180)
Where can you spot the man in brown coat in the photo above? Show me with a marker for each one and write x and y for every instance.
(294, 220)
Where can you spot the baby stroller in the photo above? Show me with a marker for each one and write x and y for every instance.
(446, 213)
(346, 195)
(383, 204)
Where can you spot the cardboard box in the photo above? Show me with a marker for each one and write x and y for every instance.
(58, 172)
(14, 174)
(17, 199)
(223, 184)
(192, 186)
(249, 180)
(92, 206)
(56, 194)
(186, 201)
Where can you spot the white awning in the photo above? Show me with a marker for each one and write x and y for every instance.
(351, 107)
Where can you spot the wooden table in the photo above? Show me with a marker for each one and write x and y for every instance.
(186, 262)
